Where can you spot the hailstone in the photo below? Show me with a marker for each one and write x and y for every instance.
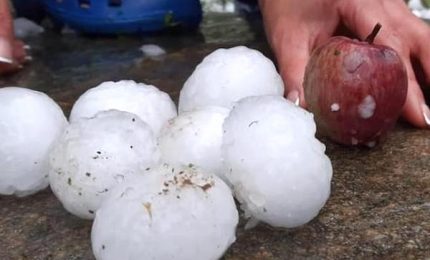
(167, 213)
(93, 155)
(195, 138)
(30, 122)
(24, 28)
(227, 75)
(153, 51)
(148, 102)
(278, 169)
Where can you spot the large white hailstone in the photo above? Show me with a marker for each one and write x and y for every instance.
(153, 51)
(93, 155)
(30, 122)
(195, 138)
(148, 102)
(167, 213)
(24, 28)
(227, 75)
(277, 167)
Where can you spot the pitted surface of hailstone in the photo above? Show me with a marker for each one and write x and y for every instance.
(195, 138)
(277, 167)
(94, 155)
(167, 213)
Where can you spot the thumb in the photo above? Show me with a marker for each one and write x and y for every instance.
(292, 63)
(415, 111)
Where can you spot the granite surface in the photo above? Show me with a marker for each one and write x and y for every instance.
(380, 202)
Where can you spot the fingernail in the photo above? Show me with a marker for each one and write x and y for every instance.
(6, 60)
(426, 114)
(28, 58)
(294, 97)
(27, 47)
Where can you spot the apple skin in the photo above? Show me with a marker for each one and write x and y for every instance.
(355, 89)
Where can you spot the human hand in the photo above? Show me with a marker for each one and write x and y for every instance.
(12, 55)
(295, 28)
(12, 51)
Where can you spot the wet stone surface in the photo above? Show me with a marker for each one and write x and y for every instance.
(380, 201)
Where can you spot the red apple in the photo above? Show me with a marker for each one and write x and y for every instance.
(356, 89)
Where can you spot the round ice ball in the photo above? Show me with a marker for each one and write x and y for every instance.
(30, 122)
(227, 75)
(148, 102)
(167, 213)
(195, 138)
(93, 155)
(277, 167)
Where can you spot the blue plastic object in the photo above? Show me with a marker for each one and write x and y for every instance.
(125, 16)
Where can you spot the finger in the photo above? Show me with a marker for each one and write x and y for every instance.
(423, 51)
(18, 57)
(292, 63)
(9, 68)
(6, 51)
(19, 53)
(415, 111)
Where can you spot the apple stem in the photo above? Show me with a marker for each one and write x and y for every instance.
(373, 34)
